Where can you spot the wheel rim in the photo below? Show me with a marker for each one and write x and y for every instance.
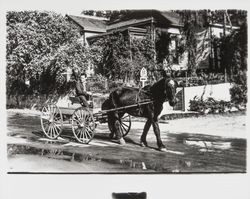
(125, 122)
(51, 121)
(83, 125)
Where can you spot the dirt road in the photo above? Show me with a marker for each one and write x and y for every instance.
(214, 143)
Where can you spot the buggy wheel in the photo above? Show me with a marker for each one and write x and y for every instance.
(51, 121)
(125, 122)
(83, 125)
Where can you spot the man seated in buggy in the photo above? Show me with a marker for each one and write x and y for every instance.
(81, 94)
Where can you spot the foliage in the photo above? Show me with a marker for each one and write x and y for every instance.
(40, 46)
(162, 45)
(234, 60)
(201, 79)
(194, 21)
(118, 57)
(209, 106)
(97, 83)
(234, 51)
(112, 15)
(113, 55)
(143, 55)
(239, 90)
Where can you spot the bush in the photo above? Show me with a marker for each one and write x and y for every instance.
(115, 84)
(239, 90)
(210, 105)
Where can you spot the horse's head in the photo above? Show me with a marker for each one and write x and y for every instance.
(170, 91)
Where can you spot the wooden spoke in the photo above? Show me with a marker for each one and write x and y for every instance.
(125, 123)
(82, 120)
(56, 129)
(51, 121)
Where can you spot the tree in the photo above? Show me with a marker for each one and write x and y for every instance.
(194, 22)
(40, 46)
(117, 56)
(234, 60)
(111, 15)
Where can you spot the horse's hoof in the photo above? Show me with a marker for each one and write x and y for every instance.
(121, 141)
(143, 144)
(163, 149)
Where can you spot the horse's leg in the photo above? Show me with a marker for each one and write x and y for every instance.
(149, 115)
(117, 129)
(115, 119)
(157, 110)
(156, 128)
(145, 132)
(111, 126)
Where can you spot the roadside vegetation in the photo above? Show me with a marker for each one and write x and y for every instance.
(41, 46)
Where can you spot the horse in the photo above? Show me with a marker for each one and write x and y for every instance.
(158, 93)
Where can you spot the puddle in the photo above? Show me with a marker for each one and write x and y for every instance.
(209, 144)
(49, 153)
(174, 161)
(59, 154)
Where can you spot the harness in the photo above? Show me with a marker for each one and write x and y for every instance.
(139, 101)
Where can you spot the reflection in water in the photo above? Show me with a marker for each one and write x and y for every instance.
(199, 154)
(59, 154)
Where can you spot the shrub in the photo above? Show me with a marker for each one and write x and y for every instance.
(210, 105)
(239, 90)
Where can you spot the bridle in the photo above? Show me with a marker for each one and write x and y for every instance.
(169, 85)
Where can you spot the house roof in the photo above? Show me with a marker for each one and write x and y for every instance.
(89, 24)
(173, 17)
(128, 23)
(132, 18)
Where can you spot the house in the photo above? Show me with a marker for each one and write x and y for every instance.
(139, 23)
(88, 26)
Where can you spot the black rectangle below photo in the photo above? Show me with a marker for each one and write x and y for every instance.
(129, 195)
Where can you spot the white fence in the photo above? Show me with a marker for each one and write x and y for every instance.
(185, 94)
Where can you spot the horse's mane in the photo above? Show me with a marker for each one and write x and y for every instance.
(158, 90)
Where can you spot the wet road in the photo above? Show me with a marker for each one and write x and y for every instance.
(206, 144)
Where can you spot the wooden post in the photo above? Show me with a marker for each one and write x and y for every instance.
(186, 77)
(84, 82)
(131, 57)
(153, 35)
(224, 24)
(225, 75)
(106, 83)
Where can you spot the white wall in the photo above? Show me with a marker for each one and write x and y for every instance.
(216, 91)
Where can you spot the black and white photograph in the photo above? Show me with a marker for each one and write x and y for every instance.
(125, 92)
